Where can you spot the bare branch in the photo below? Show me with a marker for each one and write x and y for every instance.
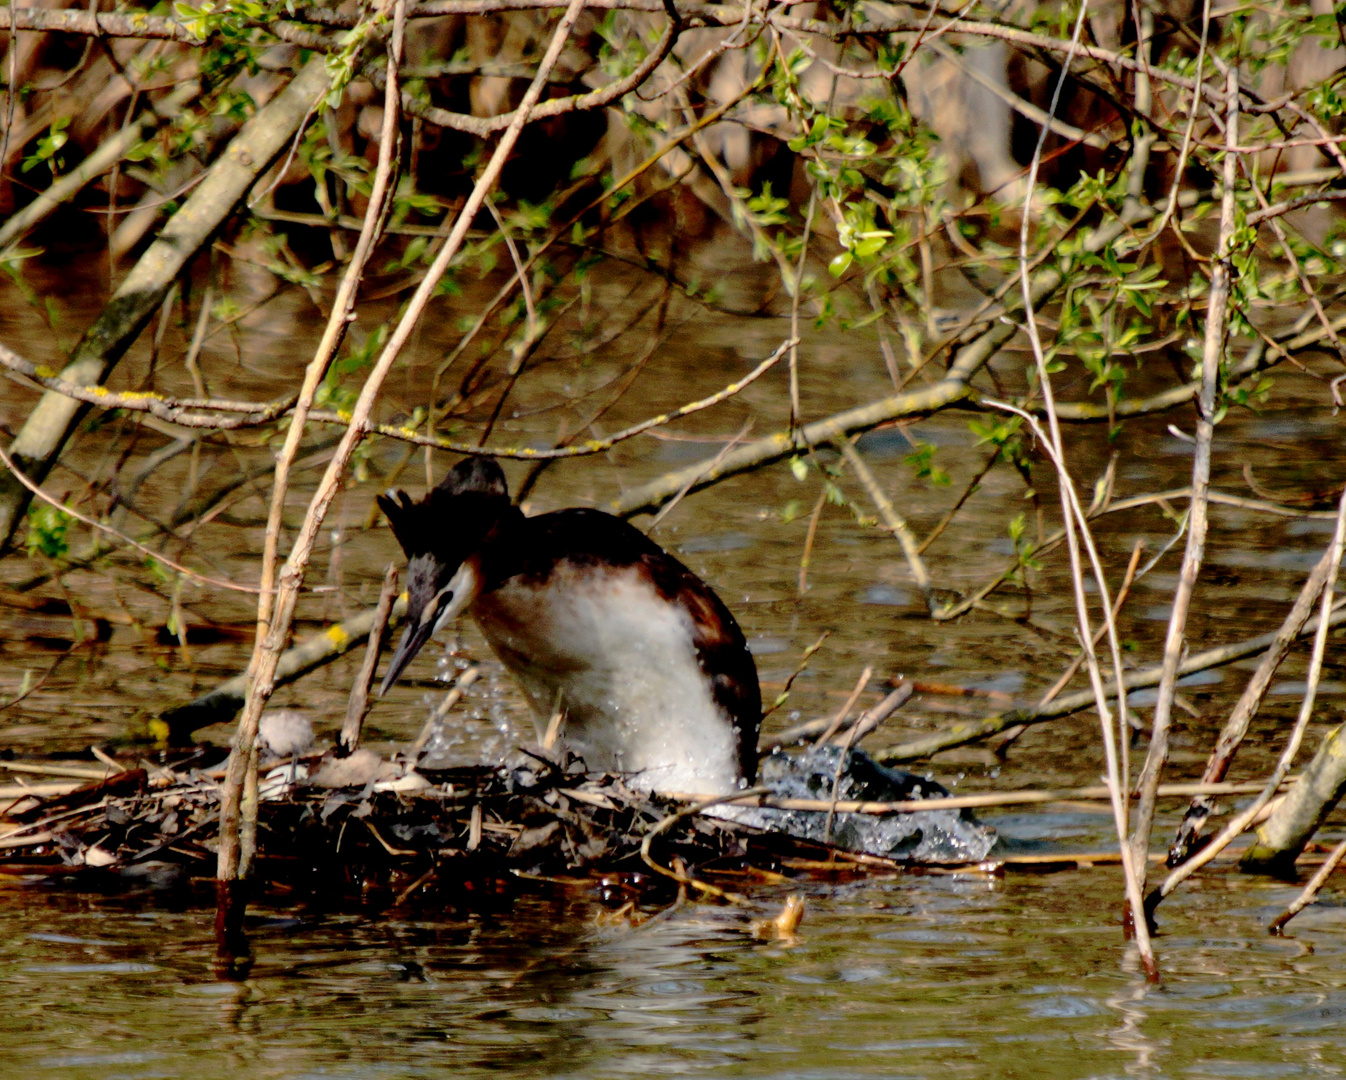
(594, 99)
(103, 24)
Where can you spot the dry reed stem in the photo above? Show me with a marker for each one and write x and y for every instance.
(1051, 541)
(872, 718)
(40, 769)
(223, 701)
(234, 856)
(862, 727)
(1244, 819)
(291, 577)
(1074, 517)
(446, 703)
(1212, 359)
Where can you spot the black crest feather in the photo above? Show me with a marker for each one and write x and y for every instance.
(419, 524)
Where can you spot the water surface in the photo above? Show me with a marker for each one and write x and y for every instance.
(920, 975)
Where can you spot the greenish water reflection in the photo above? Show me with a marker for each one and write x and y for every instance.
(919, 976)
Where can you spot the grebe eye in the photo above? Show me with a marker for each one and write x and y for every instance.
(437, 603)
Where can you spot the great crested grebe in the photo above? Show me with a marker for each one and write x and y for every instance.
(591, 617)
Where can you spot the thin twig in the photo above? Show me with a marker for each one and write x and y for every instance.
(358, 704)
(892, 519)
(809, 536)
(219, 583)
(845, 711)
(799, 669)
(667, 508)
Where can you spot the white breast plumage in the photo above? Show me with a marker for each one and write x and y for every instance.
(620, 660)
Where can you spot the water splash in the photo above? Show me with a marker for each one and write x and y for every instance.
(921, 836)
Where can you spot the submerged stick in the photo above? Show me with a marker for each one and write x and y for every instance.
(892, 519)
(1311, 890)
(1244, 819)
(1231, 735)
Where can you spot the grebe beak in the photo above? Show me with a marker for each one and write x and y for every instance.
(426, 617)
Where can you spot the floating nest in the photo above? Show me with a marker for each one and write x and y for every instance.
(365, 830)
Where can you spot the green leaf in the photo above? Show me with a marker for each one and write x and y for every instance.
(840, 264)
(47, 528)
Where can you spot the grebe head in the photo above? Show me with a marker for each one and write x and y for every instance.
(443, 535)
